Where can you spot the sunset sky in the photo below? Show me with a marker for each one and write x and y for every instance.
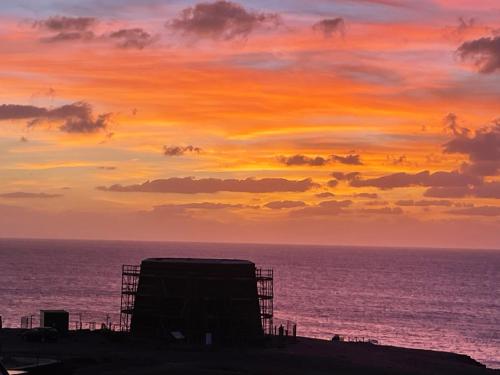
(362, 122)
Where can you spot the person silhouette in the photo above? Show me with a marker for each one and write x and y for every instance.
(281, 330)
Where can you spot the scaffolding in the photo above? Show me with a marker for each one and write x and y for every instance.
(130, 282)
(265, 293)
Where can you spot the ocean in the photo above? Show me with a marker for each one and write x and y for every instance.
(439, 299)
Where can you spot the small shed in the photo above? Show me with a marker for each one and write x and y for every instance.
(58, 319)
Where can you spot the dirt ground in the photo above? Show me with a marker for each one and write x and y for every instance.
(101, 352)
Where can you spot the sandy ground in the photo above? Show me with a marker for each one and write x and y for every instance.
(107, 353)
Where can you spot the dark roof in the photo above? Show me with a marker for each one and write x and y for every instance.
(197, 261)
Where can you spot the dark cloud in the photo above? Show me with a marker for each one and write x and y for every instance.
(318, 161)
(70, 37)
(60, 23)
(303, 160)
(199, 206)
(132, 38)
(477, 211)
(22, 195)
(424, 203)
(17, 112)
(67, 28)
(86, 124)
(482, 168)
(484, 53)
(190, 185)
(326, 194)
(341, 176)
(424, 178)
(486, 190)
(332, 183)
(279, 205)
(326, 208)
(348, 159)
(448, 192)
(221, 20)
(382, 211)
(107, 168)
(482, 148)
(330, 26)
(179, 150)
(23, 139)
(75, 117)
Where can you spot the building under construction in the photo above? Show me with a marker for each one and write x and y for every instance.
(197, 300)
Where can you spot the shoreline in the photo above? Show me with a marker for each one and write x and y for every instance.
(105, 352)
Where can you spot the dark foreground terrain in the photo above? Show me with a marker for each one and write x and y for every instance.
(99, 352)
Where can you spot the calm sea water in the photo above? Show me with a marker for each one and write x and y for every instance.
(433, 299)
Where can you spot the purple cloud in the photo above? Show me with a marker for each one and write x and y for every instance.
(136, 38)
(424, 178)
(67, 28)
(486, 190)
(279, 205)
(348, 159)
(303, 160)
(424, 203)
(70, 29)
(341, 176)
(330, 26)
(76, 117)
(180, 150)
(326, 194)
(190, 185)
(484, 53)
(221, 20)
(199, 206)
(332, 183)
(482, 148)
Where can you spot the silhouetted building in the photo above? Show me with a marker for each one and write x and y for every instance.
(199, 300)
(58, 319)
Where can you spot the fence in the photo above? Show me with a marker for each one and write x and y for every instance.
(76, 322)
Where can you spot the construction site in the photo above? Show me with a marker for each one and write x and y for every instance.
(210, 301)
(201, 316)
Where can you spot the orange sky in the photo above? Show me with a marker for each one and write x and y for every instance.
(290, 121)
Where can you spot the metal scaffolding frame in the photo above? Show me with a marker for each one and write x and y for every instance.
(265, 292)
(130, 282)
